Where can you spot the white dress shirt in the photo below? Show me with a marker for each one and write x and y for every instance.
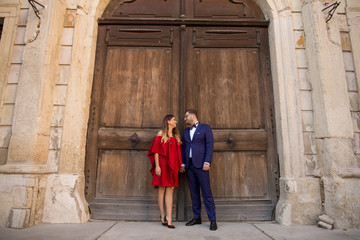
(192, 131)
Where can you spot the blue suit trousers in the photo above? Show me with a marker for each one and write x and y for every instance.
(200, 179)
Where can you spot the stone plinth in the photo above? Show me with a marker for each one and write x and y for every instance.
(64, 200)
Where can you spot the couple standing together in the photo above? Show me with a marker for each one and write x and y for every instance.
(191, 154)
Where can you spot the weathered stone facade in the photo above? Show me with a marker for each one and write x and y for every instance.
(46, 74)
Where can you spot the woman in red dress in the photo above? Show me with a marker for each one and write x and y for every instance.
(165, 157)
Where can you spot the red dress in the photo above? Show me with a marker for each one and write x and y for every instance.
(169, 160)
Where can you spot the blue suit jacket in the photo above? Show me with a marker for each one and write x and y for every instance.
(202, 146)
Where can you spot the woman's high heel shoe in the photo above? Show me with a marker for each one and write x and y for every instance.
(164, 223)
(169, 225)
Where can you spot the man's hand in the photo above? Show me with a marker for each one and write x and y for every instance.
(206, 167)
(182, 169)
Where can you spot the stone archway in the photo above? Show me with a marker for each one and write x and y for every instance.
(283, 66)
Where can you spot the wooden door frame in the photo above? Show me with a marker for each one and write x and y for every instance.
(182, 205)
(183, 23)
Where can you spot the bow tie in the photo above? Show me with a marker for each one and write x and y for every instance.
(193, 126)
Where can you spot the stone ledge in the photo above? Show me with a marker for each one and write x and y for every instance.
(25, 169)
(8, 11)
(349, 172)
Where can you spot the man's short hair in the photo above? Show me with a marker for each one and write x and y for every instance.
(192, 111)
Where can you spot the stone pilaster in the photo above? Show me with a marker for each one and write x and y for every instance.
(353, 16)
(332, 119)
(35, 93)
(70, 178)
(293, 183)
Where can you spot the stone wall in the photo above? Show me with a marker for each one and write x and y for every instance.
(22, 200)
(46, 72)
(32, 118)
(329, 60)
(329, 109)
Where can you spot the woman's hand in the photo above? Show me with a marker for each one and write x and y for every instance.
(158, 171)
(157, 166)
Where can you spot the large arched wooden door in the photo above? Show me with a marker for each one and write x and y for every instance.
(156, 57)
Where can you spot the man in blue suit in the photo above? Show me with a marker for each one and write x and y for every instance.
(197, 152)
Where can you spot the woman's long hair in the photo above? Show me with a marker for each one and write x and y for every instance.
(165, 129)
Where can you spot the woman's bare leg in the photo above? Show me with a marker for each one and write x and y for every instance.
(161, 193)
(168, 203)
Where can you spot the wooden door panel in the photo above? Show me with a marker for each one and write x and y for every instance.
(226, 9)
(136, 87)
(130, 35)
(227, 81)
(124, 174)
(142, 9)
(239, 140)
(226, 37)
(232, 90)
(120, 138)
(239, 175)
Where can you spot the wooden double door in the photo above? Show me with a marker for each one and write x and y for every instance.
(146, 71)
